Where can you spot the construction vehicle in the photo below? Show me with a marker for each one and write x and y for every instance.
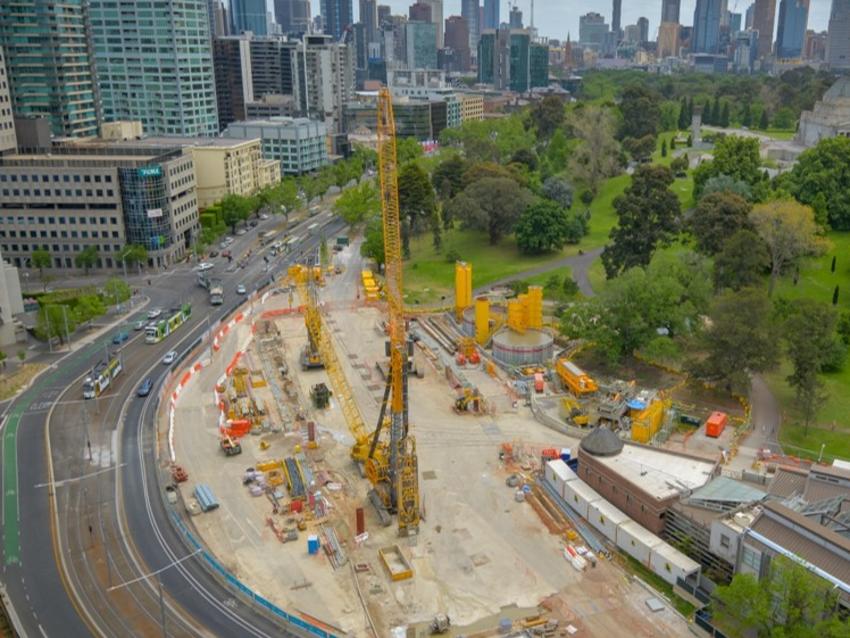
(214, 286)
(320, 395)
(470, 401)
(440, 624)
(576, 380)
(572, 411)
(230, 447)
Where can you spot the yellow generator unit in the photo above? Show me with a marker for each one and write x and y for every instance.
(647, 422)
(575, 379)
(482, 320)
(463, 288)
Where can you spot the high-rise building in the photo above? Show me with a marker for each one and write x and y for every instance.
(219, 22)
(592, 30)
(643, 27)
(323, 78)
(670, 10)
(838, 35)
(791, 32)
(421, 45)
(616, 18)
(748, 16)
(814, 46)
(384, 13)
(457, 39)
(470, 11)
(491, 14)
(538, 72)
(369, 18)
(436, 18)
(505, 60)
(49, 64)
(337, 16)
(515, 18)
(420, 12)
(175, 96)
(734, 22)
(248, 15)
(668, 39)
(8, 142)
(293, 16)
(706, 36)
(764, 21)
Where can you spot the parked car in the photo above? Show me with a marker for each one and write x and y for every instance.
(253, 223)
(241, 231)
(264, 216)
(205, 265)
(145, 389)
(213, 253)
(170, 357)
(241, 290)
(140, 324)
(225, 253)
(153, 313)
(120, 338)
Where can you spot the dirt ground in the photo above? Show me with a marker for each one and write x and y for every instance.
(478, 550)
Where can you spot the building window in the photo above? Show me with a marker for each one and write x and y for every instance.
(724, 541)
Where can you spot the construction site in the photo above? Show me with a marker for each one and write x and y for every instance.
(388, 473)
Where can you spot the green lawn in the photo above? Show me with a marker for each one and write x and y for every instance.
(779, 133)
(817, 281)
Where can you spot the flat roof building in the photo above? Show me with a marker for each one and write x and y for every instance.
(98, 195)
(299, 144)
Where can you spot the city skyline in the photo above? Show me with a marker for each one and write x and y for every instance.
(555, 18)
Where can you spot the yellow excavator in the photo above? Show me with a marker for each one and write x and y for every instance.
(391, 466)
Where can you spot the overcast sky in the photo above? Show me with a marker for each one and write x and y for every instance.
(554, 18)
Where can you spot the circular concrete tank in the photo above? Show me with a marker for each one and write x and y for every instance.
(515, 349)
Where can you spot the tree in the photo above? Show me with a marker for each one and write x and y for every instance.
(716, 217)
(670, 293)
(41, 259)
(790, 601)
(726, 184)
(764, 121)
(679, 165)
(747, 116)
(810, 335)
(641, 110)
(546, 226)
(741, 262)
(740, 339)
(554, 159)
(640, 148)
(526, 157)
(53, 320)
(664, 148)
(407, 149)
(596, 157)
(134, 254)
(559, 190)
(359, 203)
(373, 241)
(447, 178)
(547, 115)
(684, 120)
(417, 201)
(480, 170)
(491, 204)
(437, 230)
(725, 116)
(821, 179)
(715, 111)
(647, 215)
(737, 157)
(789, 232)
(87, 308)
(706, 113)
(284, 197)
(234, 209)
(87, 258)
(673, 143)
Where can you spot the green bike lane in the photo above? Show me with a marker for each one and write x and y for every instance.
(66, 369)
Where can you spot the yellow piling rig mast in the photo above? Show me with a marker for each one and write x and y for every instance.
(391, 466)
(403, 464)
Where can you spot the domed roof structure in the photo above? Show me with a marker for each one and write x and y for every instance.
(602, 442)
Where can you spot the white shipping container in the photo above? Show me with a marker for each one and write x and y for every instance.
(578, 494)
(669, 563)
(636, 541)
(606, 518)
(557, 473)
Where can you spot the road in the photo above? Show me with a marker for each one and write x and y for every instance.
(112, 525)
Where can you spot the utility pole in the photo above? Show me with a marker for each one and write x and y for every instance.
(67, 334)
(49, 336)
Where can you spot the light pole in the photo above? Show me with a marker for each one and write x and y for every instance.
(67, 334)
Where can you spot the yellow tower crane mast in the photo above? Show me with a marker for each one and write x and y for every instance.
(403, 464)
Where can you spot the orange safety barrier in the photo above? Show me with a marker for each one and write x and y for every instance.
(238, 428)
(185, 378)
(229, 370)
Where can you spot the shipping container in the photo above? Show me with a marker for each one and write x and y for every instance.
(605, 517)
(716, 423)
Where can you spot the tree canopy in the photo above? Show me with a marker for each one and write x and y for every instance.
(742, 261)
(559, 190)
(717, 217)
(490, 204)
(547, 226)
(641, 110)
(734, 156)
(417, 201)
(547, 115)
(647, 215)
(358, 203)
(597, 155)
(821, 179)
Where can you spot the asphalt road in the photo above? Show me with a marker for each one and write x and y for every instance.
(113, 525)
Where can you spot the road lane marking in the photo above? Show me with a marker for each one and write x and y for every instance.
(78, 478)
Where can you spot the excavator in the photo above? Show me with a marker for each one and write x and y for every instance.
(387, 453)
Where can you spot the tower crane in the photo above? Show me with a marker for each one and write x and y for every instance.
(390, 466)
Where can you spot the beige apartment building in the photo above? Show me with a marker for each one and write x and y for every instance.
(226, 166)
(471, 107)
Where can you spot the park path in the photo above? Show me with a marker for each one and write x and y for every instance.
(579, 265)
